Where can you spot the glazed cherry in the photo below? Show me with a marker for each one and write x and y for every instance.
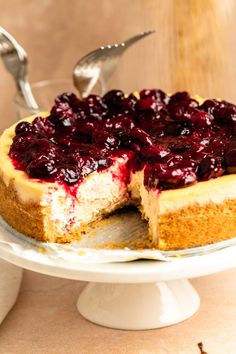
(179, 145)
(210, 167)
(95, 108)
(41, 168)
(62, 140)
(67, 97)
(95, 101)
(118, 125)
(43, 127)
(201, 119)
(129, 103)
(86, 126)
(149, 104)
(181, 113)
(141, 136)
(154, 93)
(22, 141)
(162, 177)
(69, 174)
(225, 112)
(41, 147)
(178, 129)
(105, 140)
(154, 152)
(114, 98)
(87, 165)
(151, 173)
(174, 160)
(208, 106)
(177, 177)
(183, 99)
(24, 127)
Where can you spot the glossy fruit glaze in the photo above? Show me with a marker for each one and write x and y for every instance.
(177, 141)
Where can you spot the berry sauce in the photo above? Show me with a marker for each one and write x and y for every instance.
(174, 139)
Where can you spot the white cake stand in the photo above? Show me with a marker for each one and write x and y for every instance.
(134, 295)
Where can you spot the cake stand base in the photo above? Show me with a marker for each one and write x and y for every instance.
(138, 306)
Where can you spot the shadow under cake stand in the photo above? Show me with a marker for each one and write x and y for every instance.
(136, 295)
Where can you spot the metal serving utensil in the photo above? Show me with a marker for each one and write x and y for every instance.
(16, 62)
(99, 65)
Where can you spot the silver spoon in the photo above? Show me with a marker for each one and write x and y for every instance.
(99, 65)
(15, 60)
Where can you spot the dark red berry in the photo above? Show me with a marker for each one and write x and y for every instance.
(208, 106)
(118, 125)
(87, 165)
(22, 141)
(154, 93)
(105, 140)
(24, 127)
(156, 152)
(177, 177)
(201, 119)
(141, 136)
(210, 167)
(43, 127)
(225, 112)
(149, 104)
(41, 168)
(113, 99)
(69, 174)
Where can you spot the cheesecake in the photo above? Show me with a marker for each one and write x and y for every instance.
(172, 156)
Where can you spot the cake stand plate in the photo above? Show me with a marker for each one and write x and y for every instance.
(136, 295)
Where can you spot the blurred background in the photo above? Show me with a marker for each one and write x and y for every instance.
(194, 47)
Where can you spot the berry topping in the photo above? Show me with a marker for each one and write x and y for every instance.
(177, 141)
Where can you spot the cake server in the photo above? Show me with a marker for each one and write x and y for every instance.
(98, 65)
(15, 60)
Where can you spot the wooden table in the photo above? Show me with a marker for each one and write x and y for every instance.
(45, 320)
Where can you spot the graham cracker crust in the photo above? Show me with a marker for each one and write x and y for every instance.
(196, 225)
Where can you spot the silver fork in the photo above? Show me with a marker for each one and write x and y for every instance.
(15, 60)
(98, 65)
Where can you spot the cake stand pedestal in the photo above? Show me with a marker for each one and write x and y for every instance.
(136, 295)
(138, 306)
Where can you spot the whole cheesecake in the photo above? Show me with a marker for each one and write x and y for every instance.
(173, 157)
